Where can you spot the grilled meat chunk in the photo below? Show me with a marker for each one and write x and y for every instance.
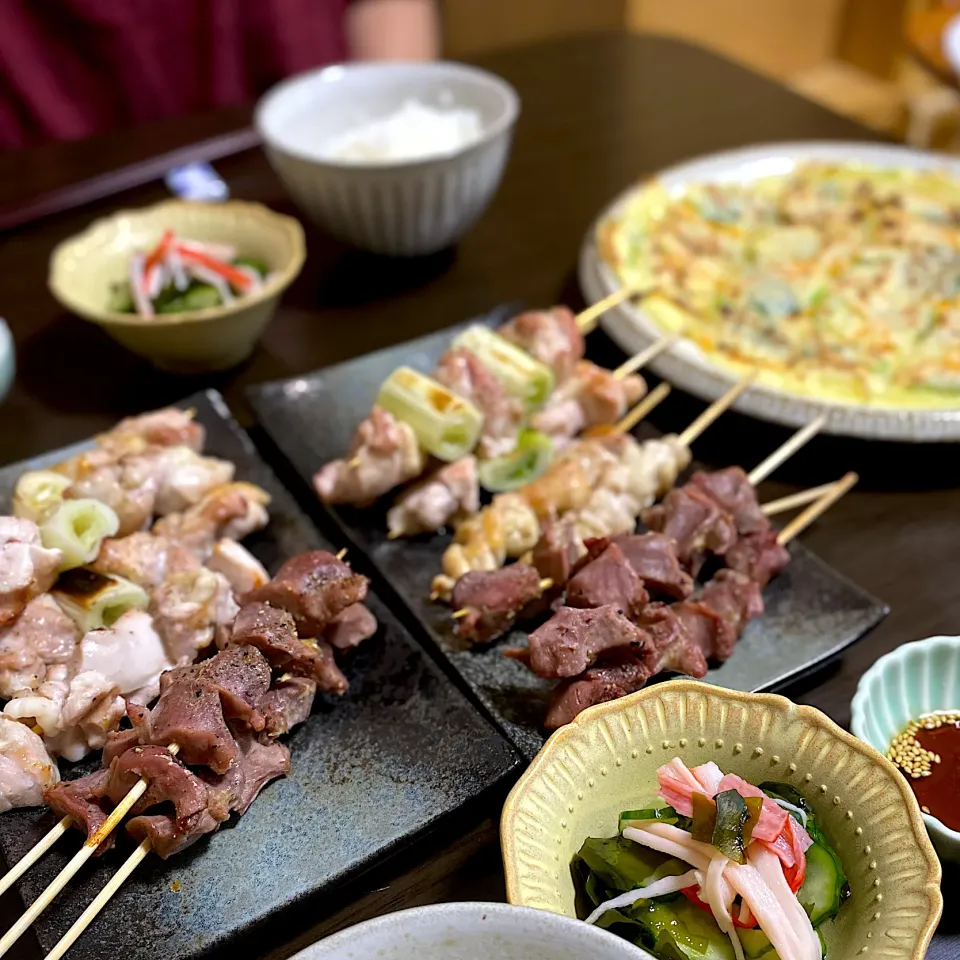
(27, 568)
(350, 628)
(314, 588)
(493, 600)
(384, 454)
(653, 557)
(758, 556)
(273, 632)
(552, 336)
(287, 703)
(609, 580)
(573, 638)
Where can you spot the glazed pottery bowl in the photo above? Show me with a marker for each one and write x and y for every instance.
(606, 761)
(84, 268)
(397, 208)
(917, 678)
(473, 931)
(7, 359)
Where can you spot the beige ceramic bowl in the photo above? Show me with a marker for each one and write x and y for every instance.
(84, 268)
(606, 761)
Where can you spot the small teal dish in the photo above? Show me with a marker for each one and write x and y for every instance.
(917, 678)
(7, 360)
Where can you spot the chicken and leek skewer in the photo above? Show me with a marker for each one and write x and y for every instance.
(482, 393)
(128, 607)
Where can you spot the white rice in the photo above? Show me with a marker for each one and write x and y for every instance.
(414, 132)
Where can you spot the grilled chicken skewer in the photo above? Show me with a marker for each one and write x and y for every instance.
(599, 485)
(386, 452)
(591, 397)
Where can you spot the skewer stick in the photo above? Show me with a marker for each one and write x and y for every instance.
(341, 553)
(800, 523)
(787, 450)
(634, 416)
(795, 500)
(76, 862)
(714, 410)
(26, 862)
(100, 901)
(642, 358)
(586, 319)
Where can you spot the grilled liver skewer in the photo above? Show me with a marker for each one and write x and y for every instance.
(699, 502)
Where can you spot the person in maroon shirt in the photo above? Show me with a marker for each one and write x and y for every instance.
(73, 68)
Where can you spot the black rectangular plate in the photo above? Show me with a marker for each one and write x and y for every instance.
(372, 771)
(812, 612)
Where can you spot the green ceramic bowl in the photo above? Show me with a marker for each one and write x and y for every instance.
(917, 678)
(606, 761)
(83, 269)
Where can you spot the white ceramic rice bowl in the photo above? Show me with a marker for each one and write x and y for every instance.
(397, 208)
(473, 931)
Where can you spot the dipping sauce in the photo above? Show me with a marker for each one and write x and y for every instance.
(928, 755)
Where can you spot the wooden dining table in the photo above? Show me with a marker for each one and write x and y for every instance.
(599, 111)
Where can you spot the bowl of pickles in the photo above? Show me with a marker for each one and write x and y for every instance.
(188, 286)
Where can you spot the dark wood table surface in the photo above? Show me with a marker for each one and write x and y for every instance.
(599, 112)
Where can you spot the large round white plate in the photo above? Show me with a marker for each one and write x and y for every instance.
(687, 367)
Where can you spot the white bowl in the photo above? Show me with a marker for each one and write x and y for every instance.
(7, 359)
(950, 43)
(402, 209)
(473, 931)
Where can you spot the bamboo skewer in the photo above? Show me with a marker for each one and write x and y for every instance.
(32, 856)
(76, 862)
(641, 359)
(794, 500)
(100, 901)
(655, 397)
(800, 523)
(586, 319)
(714, 410)
(787, 450)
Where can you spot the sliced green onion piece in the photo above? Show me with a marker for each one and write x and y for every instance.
(37, 494)
(93, 600)
(732, 815)
(77, 528)
(704, 818)
(526, 462)
(446, 425)
(520, 374)
(630, 817)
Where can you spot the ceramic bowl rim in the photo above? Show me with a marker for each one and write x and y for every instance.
(858, 708)
(500, 126)
(282, 277)
(809, 715)
(458, 908)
